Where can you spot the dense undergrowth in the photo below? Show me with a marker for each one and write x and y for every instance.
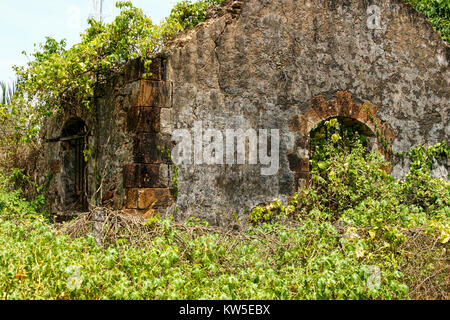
(356, 233)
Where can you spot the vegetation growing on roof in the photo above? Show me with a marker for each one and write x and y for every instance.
(438, 12)
(58, 76)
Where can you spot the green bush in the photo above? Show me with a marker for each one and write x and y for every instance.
(399, 226)
(380, 247)
(343, 172)
(438, 12)
(270, 262)
(188, 14)
(56, 76)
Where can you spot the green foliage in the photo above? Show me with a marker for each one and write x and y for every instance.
(59, 77)
(438, 11)
(422, 158)
(419, 188)
(175, 181)
(371, 244)
(345, 174)
(18, 181)
(273, 210)
(343, 171)
(187, 14)
(56, 76)
(272, 261)
(268, 262)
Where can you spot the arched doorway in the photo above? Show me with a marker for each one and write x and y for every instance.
(73, 139)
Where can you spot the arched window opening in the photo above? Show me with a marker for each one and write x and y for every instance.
(349, 118)
(344, 132)
(73, 141)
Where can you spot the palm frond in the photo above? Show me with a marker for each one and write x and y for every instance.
(7, 92)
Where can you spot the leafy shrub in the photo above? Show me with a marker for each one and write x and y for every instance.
(343, 172)
(380, 248)
(56, 76)
(438, 11)
(187, 14)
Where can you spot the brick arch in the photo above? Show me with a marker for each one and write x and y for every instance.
(342, 106)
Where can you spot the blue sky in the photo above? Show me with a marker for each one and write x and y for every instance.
(26, 22)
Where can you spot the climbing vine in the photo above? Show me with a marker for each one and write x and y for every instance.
(422, 158)
(167, 153)
(57, 76)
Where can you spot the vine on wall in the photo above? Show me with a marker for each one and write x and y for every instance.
(56, 76)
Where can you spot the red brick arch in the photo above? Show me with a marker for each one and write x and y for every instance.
(342, 106)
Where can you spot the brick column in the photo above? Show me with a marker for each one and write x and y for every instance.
(148, 179)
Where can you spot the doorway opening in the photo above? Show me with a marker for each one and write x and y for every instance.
(74, 139)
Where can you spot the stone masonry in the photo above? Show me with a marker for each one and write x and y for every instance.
(259, 64)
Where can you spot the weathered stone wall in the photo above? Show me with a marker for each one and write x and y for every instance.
(259, 64)
(127, 168)
(265, 65)
(110, 142)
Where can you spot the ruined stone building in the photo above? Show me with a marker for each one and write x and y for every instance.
(256, 64)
